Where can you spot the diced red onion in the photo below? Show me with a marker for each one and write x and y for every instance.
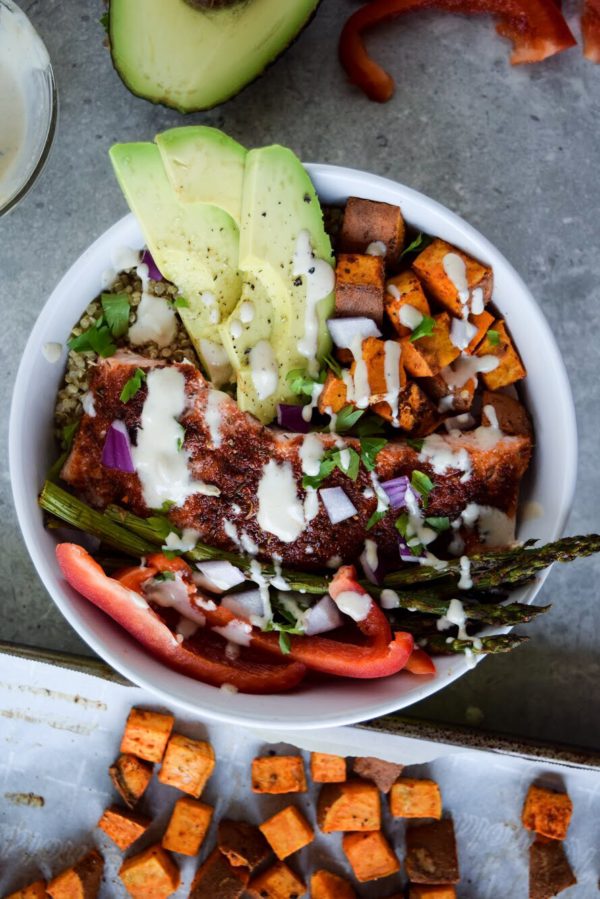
(337, 504)
(405, 553)
(246, 604)
(290, 417)
(374, 575)
(397, 490)
(153, 272)
(218, 576)
(322, 617)
(116, 452)
(345, 330)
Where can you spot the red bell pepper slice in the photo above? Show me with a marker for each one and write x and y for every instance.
(590, 28)
(380, 653)
(420, 662)
(201, 657)
(537, 29)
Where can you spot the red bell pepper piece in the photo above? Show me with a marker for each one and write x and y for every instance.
(380, 653)
(590, 28)
(420, 662)
(537, 29)
(201, 657)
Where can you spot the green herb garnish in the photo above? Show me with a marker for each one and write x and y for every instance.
(285, 644)
(332, 363)
(401, 524)
(438, 523)
(416, 443)
(331, 460)
(97, 339)
(116, 312)
(67, 434)
(493, 337)
(423, 329)
(300, 383)
(346, 418)
(376, 517)
(181, 303)
(423, 484)
(133, 385)
(419, 243)
(370, 447)
(164, 576)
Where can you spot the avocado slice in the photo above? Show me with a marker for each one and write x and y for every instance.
(204, 165)
(195, 245)
(281, 229)
(188, 58)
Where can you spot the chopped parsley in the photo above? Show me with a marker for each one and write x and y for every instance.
(284, 628)
(300, 383)
(285, 644)
(97, 339)
(370, 447)
(331, 460)
(116, 312)
(401, 525)
(346, 418)
(419, 243)
(423, 484)
(181, 303)
(332, 363)
(439, 523)
(133, 385)
(376, 517)
(424, 329)
(164, 576)
(369, 426)
(416, 444)
(493, 337)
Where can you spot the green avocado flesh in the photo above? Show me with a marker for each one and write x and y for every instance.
(191, 59)
(195, 245)
(234, 258)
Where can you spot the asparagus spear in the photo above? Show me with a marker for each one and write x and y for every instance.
(68, 508)
(489, 645)
(501, 569)
(497, 614)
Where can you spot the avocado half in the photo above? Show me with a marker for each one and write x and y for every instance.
(191, 58)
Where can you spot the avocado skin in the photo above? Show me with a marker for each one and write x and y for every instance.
(233, 94)
(212, 4)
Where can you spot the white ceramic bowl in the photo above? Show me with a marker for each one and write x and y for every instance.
(550, 483)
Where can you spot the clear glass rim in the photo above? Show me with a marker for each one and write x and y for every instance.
(51, 128)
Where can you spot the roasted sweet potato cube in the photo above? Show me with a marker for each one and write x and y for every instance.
(416, 413)
(333, 396)
(382, 774)
(510, 368)
(370, 855)
(359, 285)
(287, 831)
(352, 806)
(368, 221)
(36, 890)
(508, 414)
(146, 734)
(277, 882)
(402, 291)
(325, 885)
(412, 798)
(151, 874)
(382, 372)
(242, 844)
(187, 764)
(437, 891)
(482, 322)
(123, 826)
(431, 853)
(547, 813)
(187, 826)
(441, 276)
(549, 870)
(327, 769)
(427, 355)
(130, 777)
(216, 877)
(278, 774)
(81, 881)
(449, 398)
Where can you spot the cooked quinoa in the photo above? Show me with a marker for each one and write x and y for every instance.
(79, 364)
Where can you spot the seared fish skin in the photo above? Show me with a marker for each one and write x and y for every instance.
(246, 446)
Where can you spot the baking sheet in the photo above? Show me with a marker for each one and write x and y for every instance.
(60, 729)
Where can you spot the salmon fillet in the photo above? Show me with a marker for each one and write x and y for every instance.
(236, 467)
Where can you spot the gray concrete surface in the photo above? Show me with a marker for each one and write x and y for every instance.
(515, 151)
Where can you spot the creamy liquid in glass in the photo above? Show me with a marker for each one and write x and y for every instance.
(24, 99)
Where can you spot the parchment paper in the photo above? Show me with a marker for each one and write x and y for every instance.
(60, 730)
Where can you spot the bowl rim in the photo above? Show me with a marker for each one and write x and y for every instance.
(42, 563)
(52, 123)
